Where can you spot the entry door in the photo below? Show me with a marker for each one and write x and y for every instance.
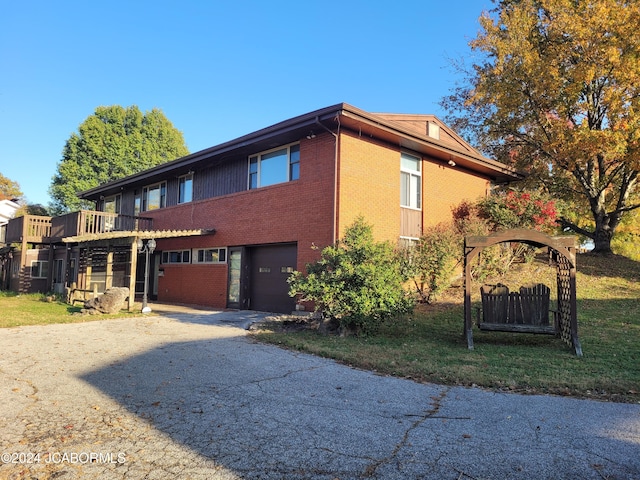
(270, 268)
(237, 295)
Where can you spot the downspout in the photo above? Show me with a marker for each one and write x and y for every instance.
(335, 173)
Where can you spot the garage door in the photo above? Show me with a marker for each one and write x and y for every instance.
(270, 267)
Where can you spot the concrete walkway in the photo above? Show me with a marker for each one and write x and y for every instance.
(186, 394)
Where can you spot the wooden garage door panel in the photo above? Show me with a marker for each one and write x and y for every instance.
(270, 268)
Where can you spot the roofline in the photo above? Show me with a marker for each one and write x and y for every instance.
(393, 127)
(330, 113)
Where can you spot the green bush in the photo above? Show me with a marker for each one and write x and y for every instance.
(431, 263)
(358, 282)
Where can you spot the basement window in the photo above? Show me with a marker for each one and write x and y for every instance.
(210, 255)
(39, 269)
(176, 256)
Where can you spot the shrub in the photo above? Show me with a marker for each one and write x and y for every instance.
(431, 263)
(358, 281)
(531, 210)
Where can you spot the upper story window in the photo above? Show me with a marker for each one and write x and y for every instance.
(410, 181)
(275, 166)
(137, 202)
(112, 204)
(185, 188)
(154, 196)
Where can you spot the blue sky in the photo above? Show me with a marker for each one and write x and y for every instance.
(218, 70)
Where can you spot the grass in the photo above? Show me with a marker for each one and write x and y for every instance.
(429, 345)
(35, 309)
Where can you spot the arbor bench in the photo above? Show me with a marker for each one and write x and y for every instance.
(525, 311)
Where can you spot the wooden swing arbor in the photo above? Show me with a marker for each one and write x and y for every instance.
(528, 310)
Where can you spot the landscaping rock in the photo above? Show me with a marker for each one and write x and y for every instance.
(111, 301)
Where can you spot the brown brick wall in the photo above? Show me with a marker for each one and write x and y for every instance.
(194, 284)
(369, 185)
(300, 211)
(444, 187)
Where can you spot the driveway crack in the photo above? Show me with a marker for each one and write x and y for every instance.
(371, 469)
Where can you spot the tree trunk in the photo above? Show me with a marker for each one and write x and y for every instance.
(602, 240)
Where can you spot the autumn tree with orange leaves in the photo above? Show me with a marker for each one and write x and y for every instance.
(555, 92)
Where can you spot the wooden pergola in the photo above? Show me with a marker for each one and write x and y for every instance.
(562, 250)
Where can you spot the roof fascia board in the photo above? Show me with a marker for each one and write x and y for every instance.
(394, 128)
(302, 121)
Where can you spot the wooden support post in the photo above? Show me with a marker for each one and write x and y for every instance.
(109, 274)
(22, 273)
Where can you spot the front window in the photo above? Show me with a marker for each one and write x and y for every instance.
(176, 256)
(275, 166)
(39, 269)
(210, 255)
(185, 188)
(154, 196)
(410, 181)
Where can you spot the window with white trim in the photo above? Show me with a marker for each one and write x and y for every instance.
(274, 166)
(210, 255)
(185, 188)
(112, 204)
(39, 269)
(410, 181)
(154, 196)
(176, 256)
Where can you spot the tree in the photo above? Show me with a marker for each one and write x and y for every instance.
(9, 190)
(557, 93)
(358, 282)
(111, 144)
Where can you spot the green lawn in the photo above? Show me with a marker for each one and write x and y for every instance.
(429, 345)
(34, 309)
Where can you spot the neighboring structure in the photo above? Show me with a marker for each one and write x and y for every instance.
(8, 209)
(232, 221)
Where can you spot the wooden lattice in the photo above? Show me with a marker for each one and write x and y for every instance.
(567, 315)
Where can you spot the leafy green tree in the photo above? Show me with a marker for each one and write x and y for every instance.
(555, 91)
(358, 281)
(111, 144)
(9, 189)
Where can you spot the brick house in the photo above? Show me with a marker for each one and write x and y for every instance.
(232, 221)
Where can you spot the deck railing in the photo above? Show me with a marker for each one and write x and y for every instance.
(28, 228)
(89, 222)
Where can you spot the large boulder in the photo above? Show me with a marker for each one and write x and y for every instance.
(111, 301)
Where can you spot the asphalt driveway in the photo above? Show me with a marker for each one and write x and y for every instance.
(187, 394)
